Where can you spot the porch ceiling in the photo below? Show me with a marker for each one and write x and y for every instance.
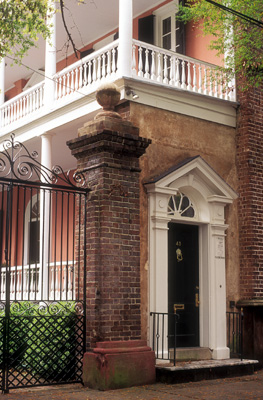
(61, 155)
(87, 22)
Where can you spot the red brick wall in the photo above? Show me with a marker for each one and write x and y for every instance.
(250, 170)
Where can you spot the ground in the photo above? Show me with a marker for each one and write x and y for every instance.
(240, 388)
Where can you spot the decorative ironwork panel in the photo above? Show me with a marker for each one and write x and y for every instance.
(16, 162)
(45, 344)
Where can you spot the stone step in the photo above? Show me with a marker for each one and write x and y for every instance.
(192, 353)
(189, 371)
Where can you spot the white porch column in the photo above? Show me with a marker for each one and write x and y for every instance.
(2, 81)
(45, 210)
(46, 150)
(218, 339)
(125, 37)
(50, 60)
(158, 273)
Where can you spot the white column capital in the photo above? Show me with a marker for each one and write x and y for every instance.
(47, 135)
(219, 229)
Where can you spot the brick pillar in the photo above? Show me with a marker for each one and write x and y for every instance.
(107, 151)
(250, 167)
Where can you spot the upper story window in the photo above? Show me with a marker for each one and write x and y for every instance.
(169, 33)
(181, 206)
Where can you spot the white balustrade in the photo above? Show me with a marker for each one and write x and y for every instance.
(149, 63)
(24, 104)
(113, 61)
(165, 73)
(70, 83)
(153, 72)
(177, 73)
(61, 281)
(92, 70)
(25, 282)
(183, 72)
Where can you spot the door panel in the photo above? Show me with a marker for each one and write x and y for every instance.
(183, 283)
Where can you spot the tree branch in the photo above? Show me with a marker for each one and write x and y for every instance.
(62, 6)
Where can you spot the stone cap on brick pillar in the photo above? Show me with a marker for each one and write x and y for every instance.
(108, 96)
(108, 131)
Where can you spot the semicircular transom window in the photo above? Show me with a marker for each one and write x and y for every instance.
(179, 204)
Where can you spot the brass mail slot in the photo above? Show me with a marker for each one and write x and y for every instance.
(178, 307)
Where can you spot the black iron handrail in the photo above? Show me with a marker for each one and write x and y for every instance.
(164, 328)
(163, 332)
(235, 333)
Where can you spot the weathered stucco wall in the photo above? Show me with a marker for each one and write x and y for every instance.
(174, 138)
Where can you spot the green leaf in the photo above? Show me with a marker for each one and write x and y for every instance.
(239, 42)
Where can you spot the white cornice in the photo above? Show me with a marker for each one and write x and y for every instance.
(183, 102)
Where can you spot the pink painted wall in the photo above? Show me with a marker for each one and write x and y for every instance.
(197, 45)
(62, 226)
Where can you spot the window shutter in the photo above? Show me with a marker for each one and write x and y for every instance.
(180, 34)
(146, 29)
(86, 53)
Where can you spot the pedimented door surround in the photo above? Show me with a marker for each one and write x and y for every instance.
(192, 193)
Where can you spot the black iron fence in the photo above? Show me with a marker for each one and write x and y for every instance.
(235, 333)
(42, 271)
(164, 332)
(163, 339)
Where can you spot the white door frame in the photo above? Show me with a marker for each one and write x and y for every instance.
(209, 194)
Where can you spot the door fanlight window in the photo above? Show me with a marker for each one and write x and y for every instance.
(180, 204)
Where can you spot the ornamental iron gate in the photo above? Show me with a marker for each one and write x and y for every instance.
(42, 299)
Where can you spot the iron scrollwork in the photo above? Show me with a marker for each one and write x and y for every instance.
(45, 308)
(17, 162)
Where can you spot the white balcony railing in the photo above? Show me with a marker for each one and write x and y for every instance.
(149, 63)
(23, 105)
(86, 73)
(26, 282)
(166, 67)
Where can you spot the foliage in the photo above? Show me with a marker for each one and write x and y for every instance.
(239, 41)
(21, 23)
(42, 340)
